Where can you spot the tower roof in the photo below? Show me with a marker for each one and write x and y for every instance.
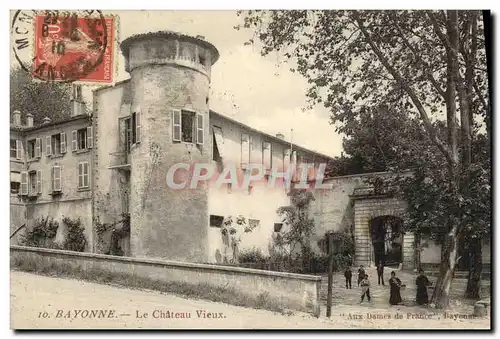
(125, 45)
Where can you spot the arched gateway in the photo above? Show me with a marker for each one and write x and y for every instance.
(378, 230)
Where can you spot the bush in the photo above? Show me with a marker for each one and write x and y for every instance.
(253, 255)
(346, 242)
(42, 233)
(75, 239)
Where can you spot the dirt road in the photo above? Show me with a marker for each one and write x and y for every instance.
(44, 302)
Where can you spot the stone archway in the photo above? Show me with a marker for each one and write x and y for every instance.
(368, 208)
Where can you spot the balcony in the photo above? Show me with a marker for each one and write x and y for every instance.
(119, 161)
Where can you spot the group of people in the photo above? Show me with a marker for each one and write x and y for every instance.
(395, 284)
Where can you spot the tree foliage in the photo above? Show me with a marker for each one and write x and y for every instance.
(42, 99)
(299, 224)
(407, 88)
(231, 231)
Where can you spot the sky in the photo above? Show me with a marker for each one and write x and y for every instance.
(245, 86)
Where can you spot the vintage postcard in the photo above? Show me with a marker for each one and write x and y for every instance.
(291, 169)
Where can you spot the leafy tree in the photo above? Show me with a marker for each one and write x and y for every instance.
(428, 65)
(232, 230)
(299, 224)
(369, 148)
(42, 99)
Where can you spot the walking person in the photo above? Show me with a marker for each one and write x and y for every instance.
(395, 283)
(422, 283)
(380, 273)
(365, 288)
(348, 278)
(361, 274)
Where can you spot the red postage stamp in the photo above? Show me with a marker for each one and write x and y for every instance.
(73, 47)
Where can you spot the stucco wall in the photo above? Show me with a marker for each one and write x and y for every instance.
(261, 204)
(109, 185)
(486, 250)
(292, 291)
(17, 218)
(430, 251)
(57, 210)
(333, 209)
(261, 201)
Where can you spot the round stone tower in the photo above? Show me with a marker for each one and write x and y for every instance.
(170, 78)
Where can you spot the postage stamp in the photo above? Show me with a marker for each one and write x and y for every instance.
(67, 46)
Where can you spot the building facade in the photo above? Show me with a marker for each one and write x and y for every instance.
(50, 171)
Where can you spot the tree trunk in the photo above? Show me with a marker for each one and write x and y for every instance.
(475, 270)
(487, 44)
(441, 295)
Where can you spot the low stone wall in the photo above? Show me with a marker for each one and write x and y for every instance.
(293, 291)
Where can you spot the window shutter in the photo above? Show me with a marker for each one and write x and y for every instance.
(245, 149)
(48, 145)
(90, 137)
(137, 127)
(199, 129)
(80, 174)
(294, 163)
(19, 149)
(39, 181)
(266, 153)
(176, 132)
(24, 183)
(56, 178)
(86, 174)
(74, 142)
(38, 148)
(286, 159)
(63, 142)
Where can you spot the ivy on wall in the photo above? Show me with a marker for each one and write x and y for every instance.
(102, 229)
(42, 233)
(75, 238)
(45, 230)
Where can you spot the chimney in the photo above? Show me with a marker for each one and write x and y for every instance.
(16, 118)
(46, 120)
(77, 104)
(280, 135)
(29, 120)
(76, 108)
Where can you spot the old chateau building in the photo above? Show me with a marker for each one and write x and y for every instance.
(98, 167)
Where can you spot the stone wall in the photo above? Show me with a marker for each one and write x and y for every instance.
(292, 291)
(333, 209)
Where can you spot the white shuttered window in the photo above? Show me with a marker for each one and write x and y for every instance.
(56, 179)
(266, 155)
(199, 129)
(83, 175)
(176, 125)
(245, 150)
